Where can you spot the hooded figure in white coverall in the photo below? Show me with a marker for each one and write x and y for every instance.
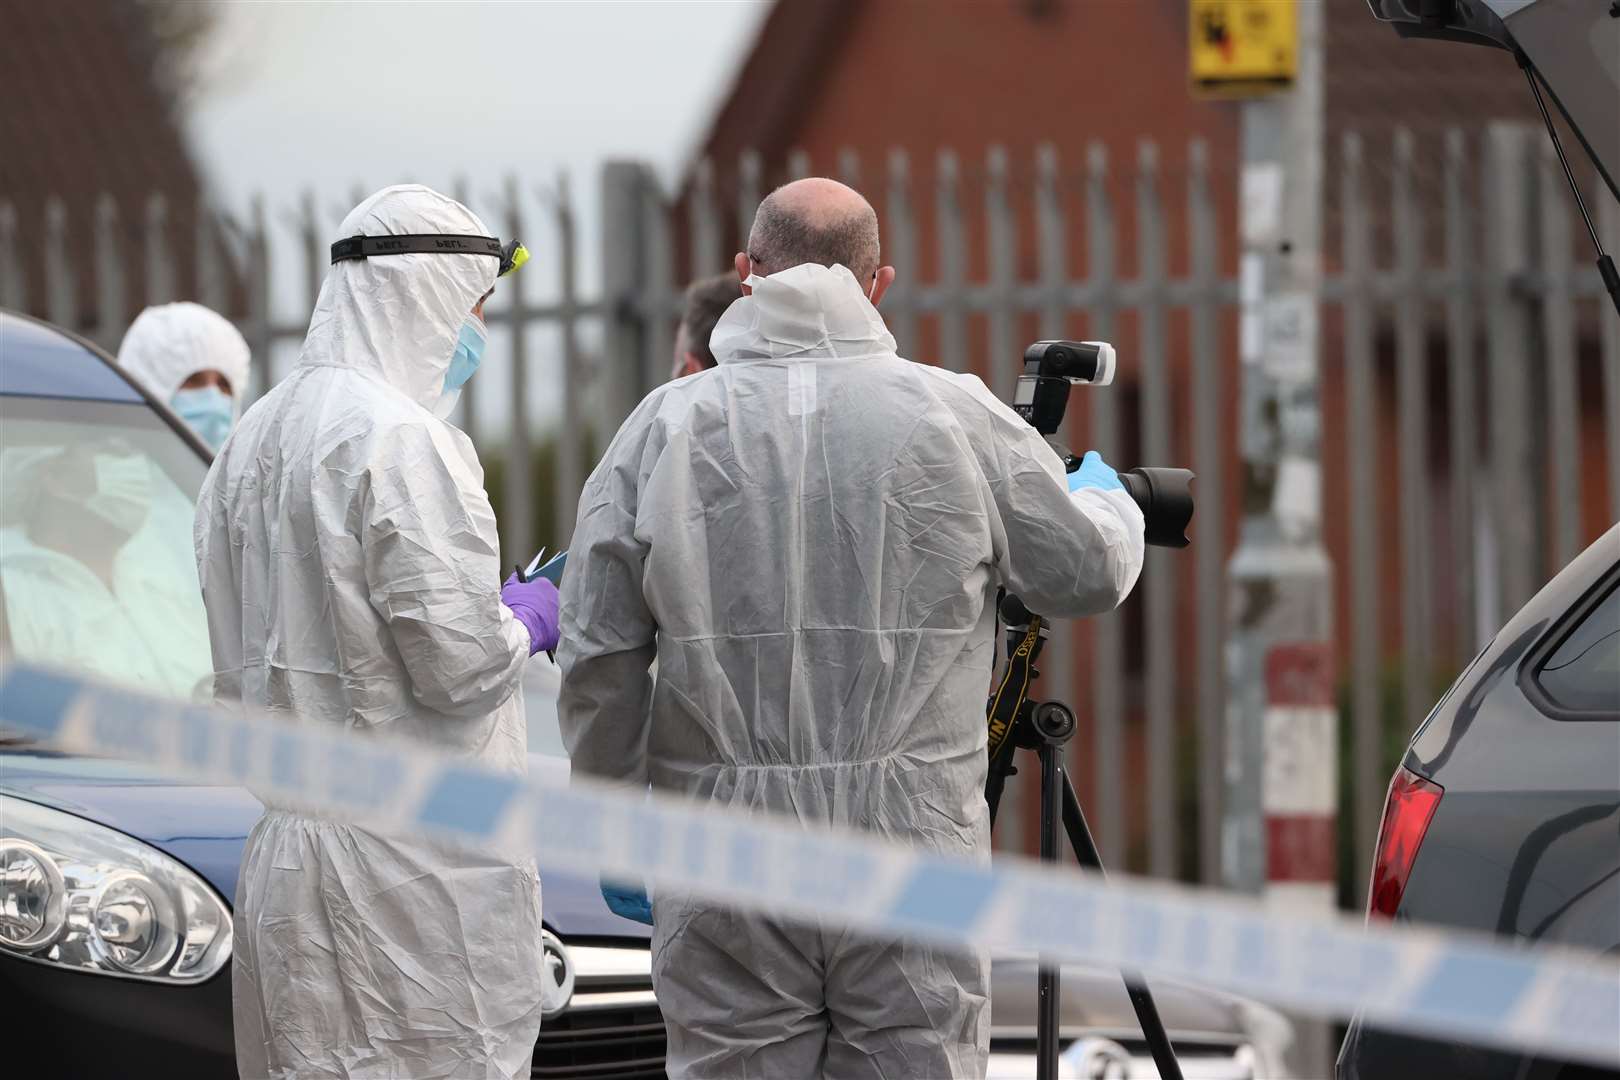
(193, 360)
(808, 539)
(349, 566)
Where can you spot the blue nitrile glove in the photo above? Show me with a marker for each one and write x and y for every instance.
(534, 603)
(629, 901)
(1094, 472)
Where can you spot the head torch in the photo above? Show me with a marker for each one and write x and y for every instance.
(511, 255)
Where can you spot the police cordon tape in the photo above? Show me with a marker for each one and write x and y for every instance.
(1546, 1000)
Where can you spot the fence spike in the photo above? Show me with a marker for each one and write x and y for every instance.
(1463, 402)
(1511, 346)
(1412, 420)
(1159, 596)
(61, 286)
(952, 270)
(13, 283)
(210, 283)
(704, 222)
(798, 163)
(1005, 354)
(750, 170)
(108, 251)
(1363, 509)
(1108, 653)
(519, 510)
(1211, 371)
(160, 269)
(661, 297)
(568, 476)
(900, 249)
(263, 375)
(1051, 244)
(849, 167)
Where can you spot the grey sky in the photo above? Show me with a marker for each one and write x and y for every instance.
(346, 97)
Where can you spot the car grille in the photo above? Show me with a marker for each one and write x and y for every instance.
(623, 1044)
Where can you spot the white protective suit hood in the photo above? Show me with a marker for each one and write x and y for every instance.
(808, 310)
(169, 343)
(807, 540)
(350, 566)
(396, 317)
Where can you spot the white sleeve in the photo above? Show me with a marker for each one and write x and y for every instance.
(432, 568)
(1064, 555)
(609, 638)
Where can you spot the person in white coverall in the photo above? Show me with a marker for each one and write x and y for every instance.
(808, 539)
(349, 565)
(194, 361)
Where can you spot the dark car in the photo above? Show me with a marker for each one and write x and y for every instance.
(1505, 814)
(116, 883)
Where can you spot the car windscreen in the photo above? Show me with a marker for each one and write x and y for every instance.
(97, 575)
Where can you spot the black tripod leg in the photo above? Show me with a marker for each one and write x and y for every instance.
(1147, 1011)
(1047, 984)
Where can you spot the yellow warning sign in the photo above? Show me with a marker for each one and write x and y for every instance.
(1242, 48)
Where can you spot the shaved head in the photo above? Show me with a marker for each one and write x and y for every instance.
(815, 220)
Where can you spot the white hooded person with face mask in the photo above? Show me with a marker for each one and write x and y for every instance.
(193, 360)
(808, 539)
(349, 563)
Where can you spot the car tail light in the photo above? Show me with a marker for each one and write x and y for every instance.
(1407, 812)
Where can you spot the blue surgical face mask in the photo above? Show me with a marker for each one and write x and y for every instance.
(468, 355)
(208, 410)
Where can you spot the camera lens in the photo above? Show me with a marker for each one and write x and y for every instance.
(1165, 496)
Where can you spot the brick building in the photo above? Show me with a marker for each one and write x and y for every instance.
(86, 114)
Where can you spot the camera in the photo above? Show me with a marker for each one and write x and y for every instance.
(1042, 395)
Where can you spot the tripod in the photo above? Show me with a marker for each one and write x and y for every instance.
(1045, 727)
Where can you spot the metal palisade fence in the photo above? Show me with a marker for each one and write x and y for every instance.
(1470, 377)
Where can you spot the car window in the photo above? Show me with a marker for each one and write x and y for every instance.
(1582, 673)
(96, 568)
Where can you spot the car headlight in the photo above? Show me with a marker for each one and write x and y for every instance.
(88, 897)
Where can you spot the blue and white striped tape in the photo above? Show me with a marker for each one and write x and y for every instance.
(1547, 1000)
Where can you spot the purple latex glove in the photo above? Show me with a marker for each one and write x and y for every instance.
(534, 604)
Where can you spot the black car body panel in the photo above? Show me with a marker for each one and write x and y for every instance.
(1525, 841)
(69, 1025)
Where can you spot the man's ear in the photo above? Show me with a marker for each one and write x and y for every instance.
(743, 265)
(881, 283)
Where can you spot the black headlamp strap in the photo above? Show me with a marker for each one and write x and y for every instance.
(365, 247)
